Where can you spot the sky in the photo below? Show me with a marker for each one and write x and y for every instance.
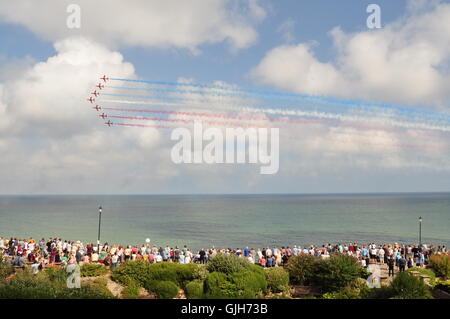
(52, 143)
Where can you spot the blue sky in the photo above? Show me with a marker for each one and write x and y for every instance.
(325, 48)
(313, 21)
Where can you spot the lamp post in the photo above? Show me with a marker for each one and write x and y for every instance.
(420, 233)
(99, 224)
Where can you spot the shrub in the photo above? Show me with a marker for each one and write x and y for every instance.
(187, 272)
(131, 291)
(217, 286)
(337, 272)
(227, 264)
(384, 292)
(441, 265)
(200, 273)
(28, 286)
(56, 274)
(101, 285)
(194, 289)
(343, 293)
(406, 286)
(427, 272)
(177, 273)
(277, 279)
(301, 269)
(163, 289)
(163, 272)
(6, 270)
(244, 284)
(93, 270)
(250, 283)
(137, 270)
(144, 273)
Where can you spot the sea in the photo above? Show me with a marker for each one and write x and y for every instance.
(230, 221)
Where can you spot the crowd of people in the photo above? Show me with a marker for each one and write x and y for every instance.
(45, 252)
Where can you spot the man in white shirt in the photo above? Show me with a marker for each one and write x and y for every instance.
(381, 254)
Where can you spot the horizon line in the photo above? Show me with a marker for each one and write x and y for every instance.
(227, 194)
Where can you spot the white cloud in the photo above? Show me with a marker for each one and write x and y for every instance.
(52, 140)
(405, 62)
(156, 23)
(286, 29)
(52, 94)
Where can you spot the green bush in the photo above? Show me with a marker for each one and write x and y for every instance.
(177, 273)
(93, 270)
(163, 289)
(28, 286)
(217, 286)
(277, 279)
(337, 272)
(250, 283)
(343, 293)
(384, 292)
(426, 272)
(243, 284)
(406, 286)
(441, 265)
(164, 272)
(101, 285)
(131, 291)
(56, 274)
(227, 264)
(142, 272)
(138, 271)
(200, 273)
(194, 289)
(301, 269)
(6, 270)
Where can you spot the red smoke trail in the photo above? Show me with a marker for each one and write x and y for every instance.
(276, 119)
(156, 119)
(143, 125)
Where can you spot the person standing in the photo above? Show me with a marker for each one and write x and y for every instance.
(402, 264)
(391, 263)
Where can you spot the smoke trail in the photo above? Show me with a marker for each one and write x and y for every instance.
(143, 125)
(315, 98)
(309, 114)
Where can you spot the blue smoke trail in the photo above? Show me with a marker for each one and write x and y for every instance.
(278, 93)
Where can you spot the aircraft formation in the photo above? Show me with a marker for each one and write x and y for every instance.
(128, 102)
(91, 99)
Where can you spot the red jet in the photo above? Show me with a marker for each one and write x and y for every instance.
(91, 99)
(104, 78)
(103, 115)
(95, 93)
(109, 123)
(98, 108)
(100, 86)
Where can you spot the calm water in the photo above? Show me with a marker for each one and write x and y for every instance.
(231, 220)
